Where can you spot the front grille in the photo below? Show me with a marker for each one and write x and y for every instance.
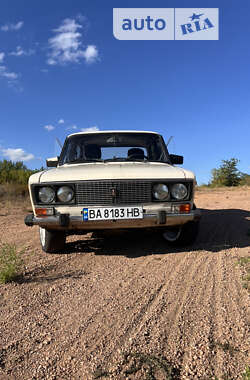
(113, 192)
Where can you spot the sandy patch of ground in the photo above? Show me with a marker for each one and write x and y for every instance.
(127, 306)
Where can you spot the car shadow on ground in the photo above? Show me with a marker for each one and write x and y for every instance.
(219, 230)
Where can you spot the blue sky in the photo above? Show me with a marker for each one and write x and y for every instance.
(196, 91)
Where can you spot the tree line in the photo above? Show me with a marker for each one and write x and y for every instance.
(14, 173)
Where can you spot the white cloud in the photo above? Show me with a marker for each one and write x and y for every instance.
(66, 46)
(10, 27)
(2, 55)
(17, 154)
(18, 26)
(61, 121)
(49, 127)
(19, 52)
(90, 129)
(5, 73)
(90, 54)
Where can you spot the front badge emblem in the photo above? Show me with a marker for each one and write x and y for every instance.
(113, 192)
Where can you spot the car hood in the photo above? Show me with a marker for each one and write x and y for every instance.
(111, 170)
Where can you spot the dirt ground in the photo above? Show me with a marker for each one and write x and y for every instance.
(128, 306)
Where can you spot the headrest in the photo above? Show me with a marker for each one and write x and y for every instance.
(136, 153)
(93, 151)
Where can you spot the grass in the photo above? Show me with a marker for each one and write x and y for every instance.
(222, 188)
(226, 347)
(11, 191)
(246, 374)
(244, 262)
(150, 365)
(12, 196)
(99, 373)
(10, 262)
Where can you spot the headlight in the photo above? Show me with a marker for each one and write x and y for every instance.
(160, 192)
(65, 194)
(179, 191)
(46, 194)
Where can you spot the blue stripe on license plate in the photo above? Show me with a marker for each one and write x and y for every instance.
(85, 214)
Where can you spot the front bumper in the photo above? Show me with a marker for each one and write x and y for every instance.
(155, 218)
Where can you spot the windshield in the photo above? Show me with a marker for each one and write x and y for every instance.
(104, 147)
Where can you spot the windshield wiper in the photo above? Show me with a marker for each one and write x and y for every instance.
(137, 159)
(146, 160)
(162, 162)
(122, 159)
(114, 159)
(84, 161)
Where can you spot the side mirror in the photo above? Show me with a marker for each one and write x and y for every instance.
(176, 160)
(52, 162)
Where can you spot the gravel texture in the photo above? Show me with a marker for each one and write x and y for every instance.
(128, 306)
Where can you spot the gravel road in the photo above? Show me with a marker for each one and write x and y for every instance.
(128, 306)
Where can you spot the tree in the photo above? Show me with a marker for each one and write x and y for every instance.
(14, 172)
(227, 174)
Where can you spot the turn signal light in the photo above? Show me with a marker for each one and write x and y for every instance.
(48, 211)
(185, 208)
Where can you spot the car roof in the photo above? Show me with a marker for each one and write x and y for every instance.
(111, 131)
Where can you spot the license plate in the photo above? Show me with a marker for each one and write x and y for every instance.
(107, 213)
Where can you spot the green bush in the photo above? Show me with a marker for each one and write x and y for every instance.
(227, 174)
(245, 179)
(10, 262)
(246, 374)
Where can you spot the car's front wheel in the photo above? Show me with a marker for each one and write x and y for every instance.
(182, 235)
(52, 241)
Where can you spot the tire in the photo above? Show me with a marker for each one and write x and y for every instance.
(182, 235)
(52, 241)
